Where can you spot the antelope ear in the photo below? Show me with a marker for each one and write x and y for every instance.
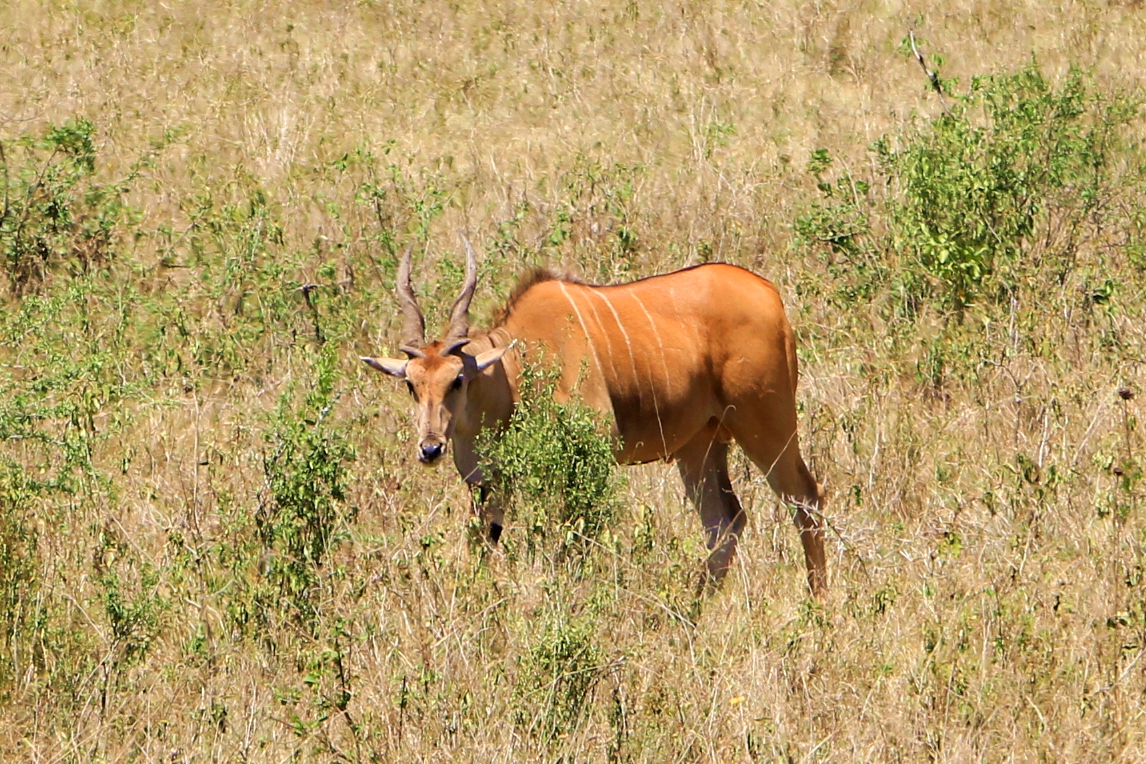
(392, 366)
(489, 358)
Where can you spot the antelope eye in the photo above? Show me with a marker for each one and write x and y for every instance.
(457, 383)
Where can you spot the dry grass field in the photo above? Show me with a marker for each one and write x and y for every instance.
(215, 541)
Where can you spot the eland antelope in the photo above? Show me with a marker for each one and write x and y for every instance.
(684, 364)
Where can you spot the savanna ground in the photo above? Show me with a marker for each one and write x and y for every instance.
(215, 543)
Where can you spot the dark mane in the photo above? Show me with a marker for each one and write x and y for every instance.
(527, 281)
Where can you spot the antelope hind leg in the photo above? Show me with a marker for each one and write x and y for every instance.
(703, 464)
(794, 484)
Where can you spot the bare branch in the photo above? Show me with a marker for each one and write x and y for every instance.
(4, 166)
(933, 77)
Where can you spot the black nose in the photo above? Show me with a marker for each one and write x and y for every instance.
(431, 451)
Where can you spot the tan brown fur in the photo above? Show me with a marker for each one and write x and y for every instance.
(527, 281)
(683, 363)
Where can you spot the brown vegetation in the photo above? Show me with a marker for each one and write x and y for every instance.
(214, 544)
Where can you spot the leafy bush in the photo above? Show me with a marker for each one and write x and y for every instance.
(18, 573)
(839, 227)
(54, 214)
(1011, 181)
(557, 676)
(556, 460)
(978, 199)
(130, 594)
(305, 470)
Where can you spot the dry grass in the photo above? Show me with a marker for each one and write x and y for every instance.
(988, 596)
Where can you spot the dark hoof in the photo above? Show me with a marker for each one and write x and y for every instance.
(494, 533)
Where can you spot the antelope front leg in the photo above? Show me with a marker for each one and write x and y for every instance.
(489, 507)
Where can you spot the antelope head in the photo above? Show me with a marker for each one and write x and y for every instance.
(437, 374)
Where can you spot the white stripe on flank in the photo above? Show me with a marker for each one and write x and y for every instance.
(628, 345)
(652, 383)
(660, 345)
(585, 329)
(605, 334)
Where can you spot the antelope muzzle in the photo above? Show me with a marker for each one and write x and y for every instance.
(431, 449)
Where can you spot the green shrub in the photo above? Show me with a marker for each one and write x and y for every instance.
(557, 675)
(18, 574)
(981, 187)
(55, 215)
(130, 591)
(556, 461)
(301, 513)
(1001, 190)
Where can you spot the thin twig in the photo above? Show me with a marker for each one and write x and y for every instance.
(933, 77)
(4, 165)
(306, 289)
(819, 514)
